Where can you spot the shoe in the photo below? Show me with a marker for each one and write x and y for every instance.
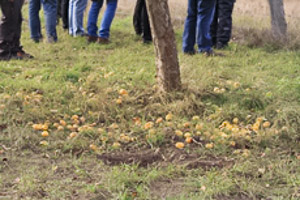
(211, 53)
(92, 39)
(190, 53)
(221, 45)
(5, 57)
(101, 40)
(147, 41)
(21, 55)
(51, 40)
(37, 40)
(78, 34)
(25, 55)
(84, 35)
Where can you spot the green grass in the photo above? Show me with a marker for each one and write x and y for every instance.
(70, 77)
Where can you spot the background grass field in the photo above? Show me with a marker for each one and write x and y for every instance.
(74, 78)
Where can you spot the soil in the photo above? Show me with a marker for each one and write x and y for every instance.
(164, 157)
(236, 197)
(166, 188)
(142, 158)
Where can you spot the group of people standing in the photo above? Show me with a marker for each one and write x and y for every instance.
(208, 23)
(72, 13)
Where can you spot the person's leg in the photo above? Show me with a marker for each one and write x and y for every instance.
(16, 46)
(225, 22)
(10, 30)
(6, 29)
(206, 10)
(214, 25)
(50, 9)
(34, 20)
(65, 13)
(108, 17)
(79, 8)
(17, 49)
(189, 34)
(146, 30)
(58, 11)
(93, 18)
(71, 15)
(137, 21)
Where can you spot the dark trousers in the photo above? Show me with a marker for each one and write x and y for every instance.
(10, 27)
(58, 8)
(65, 13)
(221, 26)
(141, 20)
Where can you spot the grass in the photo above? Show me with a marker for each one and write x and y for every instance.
(73, 78)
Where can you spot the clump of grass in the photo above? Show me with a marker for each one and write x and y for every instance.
(264, 38)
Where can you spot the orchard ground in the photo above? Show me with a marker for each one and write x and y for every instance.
(85, 122)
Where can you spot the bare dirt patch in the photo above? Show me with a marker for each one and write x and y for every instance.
(161, 189)
(164, 157)
(234, 197)
(142, 158)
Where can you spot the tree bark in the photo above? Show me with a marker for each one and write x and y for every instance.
(279, 25)
(167, 65)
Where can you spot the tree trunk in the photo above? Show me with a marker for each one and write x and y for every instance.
(279, 25)
(167, 65)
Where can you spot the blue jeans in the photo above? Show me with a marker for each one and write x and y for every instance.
(197, 25)
(50, 7)
(76, 11)
(106, 21)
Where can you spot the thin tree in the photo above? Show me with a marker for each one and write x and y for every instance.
(279, 25)
(167, 65)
